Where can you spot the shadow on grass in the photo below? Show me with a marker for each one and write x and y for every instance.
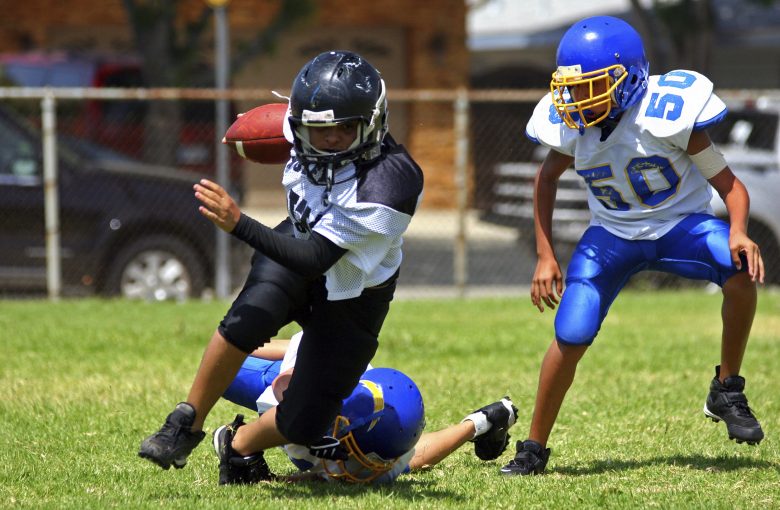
(405, 488)
(700, 462)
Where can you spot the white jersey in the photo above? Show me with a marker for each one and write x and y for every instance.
(366, 214)
(299, 454)
(641, 181)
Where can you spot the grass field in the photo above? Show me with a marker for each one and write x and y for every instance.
(83, 382)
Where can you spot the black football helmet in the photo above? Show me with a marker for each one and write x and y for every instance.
(333, 88)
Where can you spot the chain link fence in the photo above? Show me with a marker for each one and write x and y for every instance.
(126, 222)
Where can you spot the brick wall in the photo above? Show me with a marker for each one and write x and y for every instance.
(434, 33)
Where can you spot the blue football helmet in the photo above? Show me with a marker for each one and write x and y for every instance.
(602, 70)
(380, 421)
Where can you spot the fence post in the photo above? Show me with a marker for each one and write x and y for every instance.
(460, 262)
(51, 202)
(222, 282)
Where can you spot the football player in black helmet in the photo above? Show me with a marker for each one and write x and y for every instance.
(338, 88)
(331, 265)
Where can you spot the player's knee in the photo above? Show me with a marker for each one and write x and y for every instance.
(579, 316)
(245, 343)
(739, 285)
(574, 337)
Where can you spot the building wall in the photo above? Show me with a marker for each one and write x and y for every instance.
(432, 34)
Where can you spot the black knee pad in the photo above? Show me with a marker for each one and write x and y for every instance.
(270, 299)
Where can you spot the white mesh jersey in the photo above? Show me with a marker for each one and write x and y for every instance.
(299, 455)
(641, 181)
(366, 214)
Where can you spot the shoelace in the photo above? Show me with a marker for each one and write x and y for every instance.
(169, 429)
(739, 402)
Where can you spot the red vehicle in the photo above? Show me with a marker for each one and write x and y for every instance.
(121, 125)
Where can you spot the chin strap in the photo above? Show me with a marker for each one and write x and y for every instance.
(328, 185)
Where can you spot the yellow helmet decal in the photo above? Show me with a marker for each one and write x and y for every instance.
(379, 398)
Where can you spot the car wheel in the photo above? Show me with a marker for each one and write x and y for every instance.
(156, 268)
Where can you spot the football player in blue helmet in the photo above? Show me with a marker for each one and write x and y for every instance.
(641, 146)
(377, 436)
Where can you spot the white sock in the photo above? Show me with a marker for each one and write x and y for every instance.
(481, 423)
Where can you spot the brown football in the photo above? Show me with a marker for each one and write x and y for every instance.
(257, 134)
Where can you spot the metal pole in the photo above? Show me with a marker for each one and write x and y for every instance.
(51, 203)
(222, 74)
(460, 262)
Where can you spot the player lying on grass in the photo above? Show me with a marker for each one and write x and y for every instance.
(377, 436)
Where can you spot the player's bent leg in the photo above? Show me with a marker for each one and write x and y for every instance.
(698, 248)
(233, 467)
(555, 379)
(737, 312)
(181, 432)
(726, 400)
(252, 379)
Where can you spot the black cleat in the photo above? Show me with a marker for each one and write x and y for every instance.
(530, 459)
(174, 442)
(501, 415)
(235, 469)
(726, 401)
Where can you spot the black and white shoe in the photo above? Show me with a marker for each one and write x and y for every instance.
(531, 459)
(493, 429)
(237, 469)
(173, 443)
(726, 401)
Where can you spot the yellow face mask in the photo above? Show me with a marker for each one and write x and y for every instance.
(360, 467)
(585, 99)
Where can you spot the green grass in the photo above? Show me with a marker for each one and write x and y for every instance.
(83, 382)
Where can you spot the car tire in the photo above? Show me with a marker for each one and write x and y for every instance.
(156, 268)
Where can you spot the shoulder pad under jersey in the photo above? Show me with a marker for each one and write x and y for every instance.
(545, 127)
(678, 103)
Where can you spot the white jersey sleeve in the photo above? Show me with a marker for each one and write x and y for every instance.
(546, 127)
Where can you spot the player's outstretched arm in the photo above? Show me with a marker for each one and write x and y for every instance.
(433, 447)
(218, 206)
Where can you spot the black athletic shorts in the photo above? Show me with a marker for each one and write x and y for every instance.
(339, 339)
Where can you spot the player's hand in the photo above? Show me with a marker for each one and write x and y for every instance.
(547, 284)
(217, 206)
(328, 447)
(740, 243)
